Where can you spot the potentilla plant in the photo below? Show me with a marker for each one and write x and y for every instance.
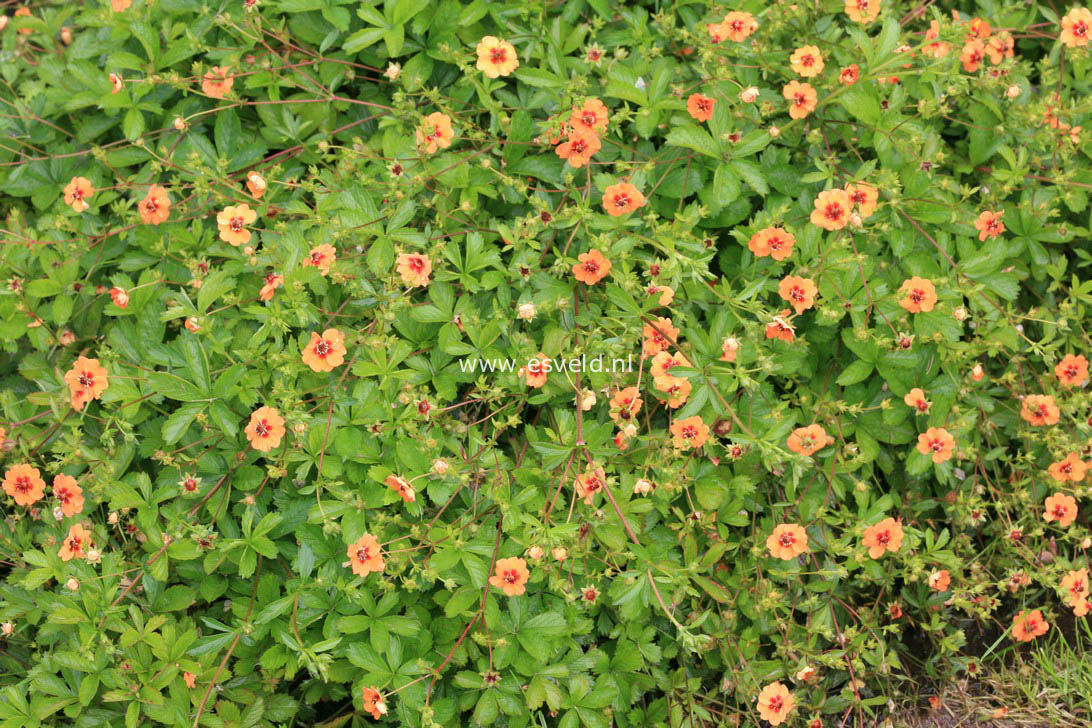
(578, 364)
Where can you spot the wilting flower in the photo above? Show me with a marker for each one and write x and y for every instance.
(496, 57)
(748, 95)
(325, 352)
(1072, 371)
(939, 580)
(832, 209)
(255, 184)
(365, 556)
(374, 703)
(321, 257)
(272, 283)
(402, 487)
(232, 221)
(781, 328)
(700, 107)
(937, 442)
(802, 98)
(76, 193)
(729, 349)
(510, 577)
(591, 268)
(119, 296)
(1039, 409)
(589, 483)
(24, 483)
(155, 208)
(526, 311)
(775, 702)
(622, 198)
(1061, 508)
(849, 75)
(217, 83)
(86, 380)
(414, 268)
(435, 132)
(73, 545)
(69, 494)
(116, 82)
(787, 541)
(266, 429)
(772, 241)
(883, 537)
(190, 679)
(689, 433)
(1026, 625)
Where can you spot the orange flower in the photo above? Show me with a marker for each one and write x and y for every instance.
(591, 118)
(729, 349)
(1026, 626)
(414, 269)
(155, 208)
(579, 149)
(884, 536)
(625, 404)
(700, 107)
(787, 541)
(864, 196)
(592, 268)
(781, 328)
(667, 294)
(622, 198)
(802, 98)
(68, 494)
(24, 483)
(1072, 468)
(374, 703)
(1061, 508)
(435, 132)
(663, 363)
(1072, 371)
(677, 390)
(272, 283)
(775, 702)
(76, 193)
(1076, 27)
(402, 487)
(119, 296)
(232, 221)
(321, 257)
(325, 352)
(921, 295)
(1039, 409)
(589, 483)
(939, 580)
(217, 83)
(86, 380)
(978, 28)
(496, 57)
(73, 546)
(807, 61)
(190, 679)
(1075, 584)
(799, 292)
(850, 75)
(808, 440)
(510, 577)
(832, 208)
(772, 241)
(938, 442)
(255, 184)
(938, 49)
(688, 433)
(536, 371)
(266, 429)
(863, 11)
(1000, 47)
(738, 25)
(365, 555)
(24, 11)
(659, 336)
(916, 398)
(989, 224)
(971, 56)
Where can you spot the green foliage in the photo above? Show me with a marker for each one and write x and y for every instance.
(653, 599)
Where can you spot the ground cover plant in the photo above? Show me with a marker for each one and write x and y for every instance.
(540, 363)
